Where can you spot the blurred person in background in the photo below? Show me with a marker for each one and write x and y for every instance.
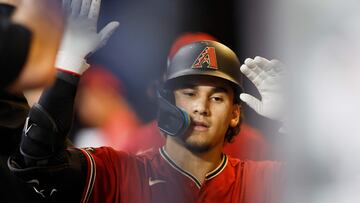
(108, 118)
(29, 64)
(28, 55)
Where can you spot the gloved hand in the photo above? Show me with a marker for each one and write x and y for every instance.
(267, 76)
(81, 37)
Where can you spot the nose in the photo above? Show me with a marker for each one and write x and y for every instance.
(201, 107)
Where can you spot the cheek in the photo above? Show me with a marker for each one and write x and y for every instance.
(223, 116)
(182, 103)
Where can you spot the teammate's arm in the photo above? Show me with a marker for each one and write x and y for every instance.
(44, 161)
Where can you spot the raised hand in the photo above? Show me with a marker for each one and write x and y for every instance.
(81, 37)
(267, 76)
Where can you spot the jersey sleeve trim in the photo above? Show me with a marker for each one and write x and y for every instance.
(91, 175)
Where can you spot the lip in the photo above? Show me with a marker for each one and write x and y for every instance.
(200, 126)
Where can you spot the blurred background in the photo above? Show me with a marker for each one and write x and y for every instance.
(319, 41)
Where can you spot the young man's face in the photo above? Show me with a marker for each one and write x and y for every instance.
(209, 102)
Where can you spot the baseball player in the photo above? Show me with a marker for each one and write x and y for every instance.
(29, 53)
(199, 110)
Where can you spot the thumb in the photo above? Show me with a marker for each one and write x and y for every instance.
(107, 31)
(253, 102)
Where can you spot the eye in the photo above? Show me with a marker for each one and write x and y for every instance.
(188, 93)
(217, 99)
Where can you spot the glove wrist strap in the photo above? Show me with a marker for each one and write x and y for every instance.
(69, 63)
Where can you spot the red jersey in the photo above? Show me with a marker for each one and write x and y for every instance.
(115, 176)
(249, 144)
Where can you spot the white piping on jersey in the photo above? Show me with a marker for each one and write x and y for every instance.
(208, 176)
(219, 169)
(92, 176)
(167, 158)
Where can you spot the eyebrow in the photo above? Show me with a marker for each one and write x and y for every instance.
(220, 90)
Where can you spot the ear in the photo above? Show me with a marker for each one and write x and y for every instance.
(235, 118)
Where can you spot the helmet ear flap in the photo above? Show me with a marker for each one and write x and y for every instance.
(171, 120)
(167, 94)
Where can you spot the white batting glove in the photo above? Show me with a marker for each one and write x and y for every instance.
(80, 36)
(267, 76)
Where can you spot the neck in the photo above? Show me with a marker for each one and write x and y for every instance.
(196, 163)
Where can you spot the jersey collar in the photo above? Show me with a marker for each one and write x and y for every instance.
(208, 176)
(218, 169)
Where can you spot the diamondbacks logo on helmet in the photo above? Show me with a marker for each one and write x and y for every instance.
(206, 59)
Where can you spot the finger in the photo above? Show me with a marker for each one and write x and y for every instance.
(256, 68)
(253, 102)
(260, 78)
(85, 7)
(249, 73)
(258, 65)
(275, 68)
(250, 62)
(107, 31)
(94, 10)
(275, 61)
(244, 69)
(264, 64)
(271, 68)
(260, 61)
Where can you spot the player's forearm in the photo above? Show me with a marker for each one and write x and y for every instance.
(58, 100)
(49, 121)
(44, 162)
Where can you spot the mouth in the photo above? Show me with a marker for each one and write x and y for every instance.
(200, 126)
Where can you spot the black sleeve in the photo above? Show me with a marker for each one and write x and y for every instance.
(58, 100)
(13, 112)
(62, 179)
(50, 120)
(55, 172)
(14, 47)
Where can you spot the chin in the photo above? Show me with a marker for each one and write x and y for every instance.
(198, 142)
(197, 147)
